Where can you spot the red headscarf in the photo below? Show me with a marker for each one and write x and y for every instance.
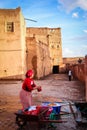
(29, 73)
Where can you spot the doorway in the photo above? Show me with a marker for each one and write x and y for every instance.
(55, 69)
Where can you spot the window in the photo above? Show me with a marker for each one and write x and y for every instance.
(57, 46)
(52, 46)
(10, 27)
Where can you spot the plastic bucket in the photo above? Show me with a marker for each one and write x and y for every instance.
(57, 108)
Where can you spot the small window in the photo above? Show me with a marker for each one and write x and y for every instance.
(57, 46)
(52, 46)
(10, 27)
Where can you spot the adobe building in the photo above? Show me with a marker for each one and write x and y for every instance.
(73, 60)
(23, 48)
(12, 44)
(44, 48)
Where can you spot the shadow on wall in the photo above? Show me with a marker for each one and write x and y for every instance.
(34, 64)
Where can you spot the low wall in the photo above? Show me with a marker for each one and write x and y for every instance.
(80, 72)
(86, 75)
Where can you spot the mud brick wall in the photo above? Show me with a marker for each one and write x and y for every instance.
(78, 72)
(12, 44)
(86, 75)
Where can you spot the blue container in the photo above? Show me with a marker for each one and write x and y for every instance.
(57, 108)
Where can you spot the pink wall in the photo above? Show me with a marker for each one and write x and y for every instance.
(86, 75)
(80, 72)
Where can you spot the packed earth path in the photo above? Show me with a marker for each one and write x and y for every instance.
(55, 88)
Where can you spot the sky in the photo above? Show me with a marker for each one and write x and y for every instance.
(69, 15)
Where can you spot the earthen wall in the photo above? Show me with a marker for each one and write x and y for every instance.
(39, 49)
(79, 72)
(12, 44)
(49, 48)
(86, 75)
(24, 48)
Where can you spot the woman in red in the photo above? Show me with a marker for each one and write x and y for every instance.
(27, 88)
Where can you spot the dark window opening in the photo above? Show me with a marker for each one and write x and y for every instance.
(10, 27)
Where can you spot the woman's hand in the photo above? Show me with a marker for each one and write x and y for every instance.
(39, 88)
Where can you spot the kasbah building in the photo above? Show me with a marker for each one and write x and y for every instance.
(23, 48)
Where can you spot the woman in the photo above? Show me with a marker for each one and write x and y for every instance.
(70, 75)
(27, 88)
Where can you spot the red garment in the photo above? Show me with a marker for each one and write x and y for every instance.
(28, 84)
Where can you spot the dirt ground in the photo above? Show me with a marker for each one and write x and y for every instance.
(55, 88)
